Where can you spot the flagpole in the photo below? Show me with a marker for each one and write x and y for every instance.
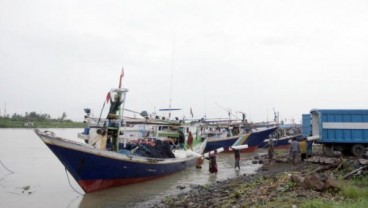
(121, 77)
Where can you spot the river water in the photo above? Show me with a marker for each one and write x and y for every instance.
(40, 180)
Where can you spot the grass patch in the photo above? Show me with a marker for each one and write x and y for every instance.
(353, 192)
(318, 203)
(360, 181)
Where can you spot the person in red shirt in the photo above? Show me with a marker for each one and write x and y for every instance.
(190, 140)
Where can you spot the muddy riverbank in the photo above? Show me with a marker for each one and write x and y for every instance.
(224, 192)
(271, 186)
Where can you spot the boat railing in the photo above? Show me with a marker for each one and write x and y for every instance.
(51, 134)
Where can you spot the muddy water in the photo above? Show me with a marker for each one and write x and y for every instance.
(40, 180)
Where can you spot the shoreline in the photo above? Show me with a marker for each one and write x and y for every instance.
(272, 185)
(210, 195)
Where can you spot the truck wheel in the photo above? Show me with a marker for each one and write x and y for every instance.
(358, 150)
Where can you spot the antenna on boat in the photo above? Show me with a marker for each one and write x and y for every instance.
(228, 111)
(276, 116)
(172, 72)
(121, 77)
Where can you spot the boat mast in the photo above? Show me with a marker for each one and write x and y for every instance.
(115, 115)
(121, 110)
(121, 120)
(172, 72)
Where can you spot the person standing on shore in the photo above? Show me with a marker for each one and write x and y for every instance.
(270, 150)
(303, 149)
(190, 140)
(213, 163)
(309, 148)
(294, 150)
(237, 158)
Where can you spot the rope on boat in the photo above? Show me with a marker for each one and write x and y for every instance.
(66, 172)
(6, 167)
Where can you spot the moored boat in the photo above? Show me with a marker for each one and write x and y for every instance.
(95, 169)
(218, 140)
(257, 137)
(224, 139)
(104, 162)
(282, 137)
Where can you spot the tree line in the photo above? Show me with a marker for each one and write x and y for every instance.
(34, 119)
(33, 116)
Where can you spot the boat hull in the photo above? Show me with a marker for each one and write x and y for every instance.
(253, 140)
(95, 169)
(220, 143)
(257, 138)
(280, 143)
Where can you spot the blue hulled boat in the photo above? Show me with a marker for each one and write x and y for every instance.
(257, 137)
(252, 138)
(282, 137)
(104, 161)
(214, 142)
(96, 169)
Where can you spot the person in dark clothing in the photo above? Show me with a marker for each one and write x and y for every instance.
(181, 139)
(271, 150)
(115, 105)
(309, 148)
(212, 164)
(237, 158)
(294, 151)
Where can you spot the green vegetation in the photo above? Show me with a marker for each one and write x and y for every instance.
(34, 120)
(325, 203)
(352, 194)
(279, 191)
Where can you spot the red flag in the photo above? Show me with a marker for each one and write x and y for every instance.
(108, 96)
(121, 77)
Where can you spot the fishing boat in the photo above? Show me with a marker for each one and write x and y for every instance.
(217, 140)
(103, 162)
(228, 137)
(283, 136)
(256, 137)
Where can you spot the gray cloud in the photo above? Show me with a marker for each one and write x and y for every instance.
(249, 56)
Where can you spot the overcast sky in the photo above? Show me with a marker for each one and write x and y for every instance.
(250, 56)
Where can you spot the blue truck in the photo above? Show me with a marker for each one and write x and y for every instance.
(306, 125)
(344, 130)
